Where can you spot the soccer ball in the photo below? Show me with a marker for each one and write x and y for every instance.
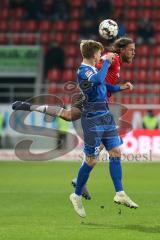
(108, 29)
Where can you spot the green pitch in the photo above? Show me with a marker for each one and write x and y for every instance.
(34, 203)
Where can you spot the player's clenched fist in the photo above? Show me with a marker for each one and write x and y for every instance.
(109, 56)
(127, 86)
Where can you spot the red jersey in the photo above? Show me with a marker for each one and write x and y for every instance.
(113, 74)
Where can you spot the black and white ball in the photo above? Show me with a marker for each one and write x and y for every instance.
(108, 29)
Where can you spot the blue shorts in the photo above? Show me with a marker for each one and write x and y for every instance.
(97, 129)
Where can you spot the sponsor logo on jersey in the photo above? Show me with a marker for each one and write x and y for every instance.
(88, 73)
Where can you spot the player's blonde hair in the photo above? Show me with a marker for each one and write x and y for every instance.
(121, 43)
(89, 47)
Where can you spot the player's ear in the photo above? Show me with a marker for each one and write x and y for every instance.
(122, 50)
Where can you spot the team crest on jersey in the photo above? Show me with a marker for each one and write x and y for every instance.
(88, 73)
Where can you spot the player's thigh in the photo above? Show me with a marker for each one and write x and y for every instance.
(111, 138)
(91, 131)
(112, 142)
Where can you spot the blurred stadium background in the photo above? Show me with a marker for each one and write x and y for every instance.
(39, 54)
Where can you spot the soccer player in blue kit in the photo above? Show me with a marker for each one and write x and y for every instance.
(98, 124)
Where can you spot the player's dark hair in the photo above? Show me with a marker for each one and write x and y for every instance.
(89, 47)
(121, 43)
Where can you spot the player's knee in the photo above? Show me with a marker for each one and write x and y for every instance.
(115, 152)
(92, 160)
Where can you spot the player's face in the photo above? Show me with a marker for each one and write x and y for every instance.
(128, 53)
(97, 56)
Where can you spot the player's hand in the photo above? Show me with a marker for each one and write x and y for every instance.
(19, 105)
(109, 56)
(127, 86)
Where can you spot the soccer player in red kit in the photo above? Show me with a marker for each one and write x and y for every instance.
(124, 48)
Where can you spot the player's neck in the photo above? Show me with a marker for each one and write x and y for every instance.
(90, 62)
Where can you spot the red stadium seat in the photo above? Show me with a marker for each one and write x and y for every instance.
(57, 89)
(146, 3)
(17, 39)
(156, 100)
(45, 26)
(71, 50)
(155, 64)
(156, 51)
(5, 13)
(59, 37)
(52, 89)
(4, 3)
(141, 89)
(156, 76)
(18, 13)
(143, 50)
(127, 66)
(119, 3)
(69, 75)
(142, 75)
(156, 27)
(127, 75)
(75, 13)
(30, 26)
(126, 99)
(73, 37)
(4, 26)
(157, 38)
(156, 13)
(133, 3)
(30, 39)
(59, 26)
(146, 13)
(4, 39)
(77, 3)
(54, 75)
(132, 14)
(73, 26)
(142, 62)
(131, 26)
(140, 100)
(153, 100)
(60, 88)
(45, 38)
(156, 89)
(16, 26)
(70, 62)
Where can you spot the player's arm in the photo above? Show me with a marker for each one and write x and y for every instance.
(127, 86)
(117, 88)
(99, 77)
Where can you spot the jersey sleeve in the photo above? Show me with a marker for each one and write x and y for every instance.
(113, 88)
(86, 73)
(99, 77)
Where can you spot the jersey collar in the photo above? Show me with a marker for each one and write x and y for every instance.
(94, 68)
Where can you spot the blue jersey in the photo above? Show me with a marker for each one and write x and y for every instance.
(93, 85)
(97, 122)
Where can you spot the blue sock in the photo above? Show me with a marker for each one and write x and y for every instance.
(82, 178)
(116, 172)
